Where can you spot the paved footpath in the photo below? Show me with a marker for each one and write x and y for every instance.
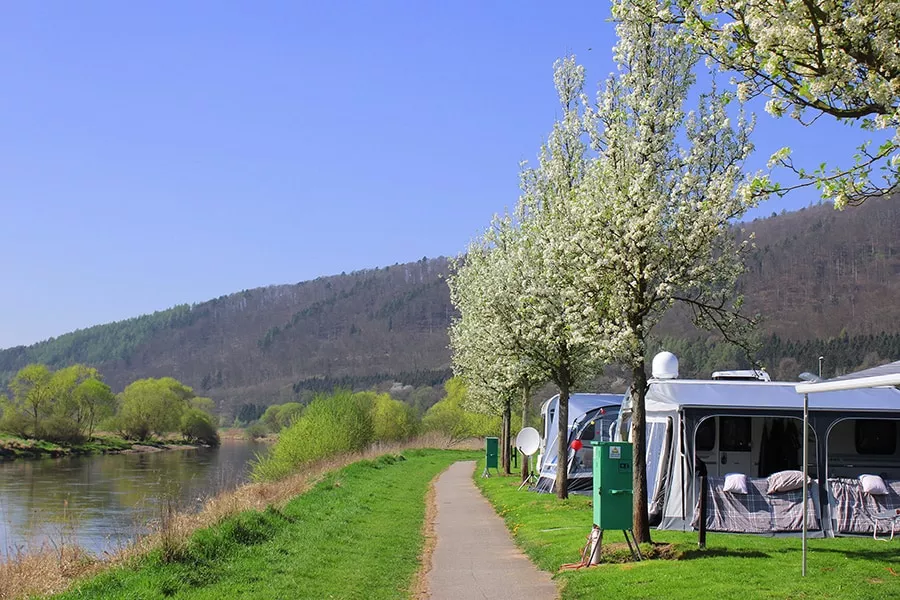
(475, 557)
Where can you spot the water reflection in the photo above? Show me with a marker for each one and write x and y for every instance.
(102, 502)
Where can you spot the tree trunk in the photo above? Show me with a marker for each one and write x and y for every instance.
(562, 459)
(505, 453)
(526, 398)
(639, 446)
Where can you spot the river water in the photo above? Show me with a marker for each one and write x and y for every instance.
(103, 502)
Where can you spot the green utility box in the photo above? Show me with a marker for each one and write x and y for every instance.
(612, 485)
(491, 453)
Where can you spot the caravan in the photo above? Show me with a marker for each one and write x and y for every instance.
(592, 417)
(753, 428)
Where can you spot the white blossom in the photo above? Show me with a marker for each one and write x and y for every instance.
(816, 58)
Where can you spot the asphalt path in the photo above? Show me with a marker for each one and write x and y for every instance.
(474, 556)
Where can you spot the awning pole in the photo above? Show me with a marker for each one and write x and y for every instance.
(805, 469)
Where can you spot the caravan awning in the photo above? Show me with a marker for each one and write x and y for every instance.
(885, 375)
(754, 395)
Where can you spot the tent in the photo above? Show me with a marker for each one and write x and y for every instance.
(755, 428)
(591, 417)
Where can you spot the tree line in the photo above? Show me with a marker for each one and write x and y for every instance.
(628, 211)
(70, 404)
(784, 359)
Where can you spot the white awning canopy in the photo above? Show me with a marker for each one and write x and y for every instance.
(885, 375)
(755, 396)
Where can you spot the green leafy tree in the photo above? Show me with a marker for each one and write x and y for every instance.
(279, 416)
(152, 406)
(207, 405)
(271, 418)
(95, 401)
(32, 394)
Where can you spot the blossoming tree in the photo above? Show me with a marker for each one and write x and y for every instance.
(650, 224)
(485, 352)
(840, 59)
(515, 291)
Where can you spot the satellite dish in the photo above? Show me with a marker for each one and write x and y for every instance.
(528, 441)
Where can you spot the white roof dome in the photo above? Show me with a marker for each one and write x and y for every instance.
(665, 366)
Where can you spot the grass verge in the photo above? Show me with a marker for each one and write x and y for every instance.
(553, 532)
(356, 534)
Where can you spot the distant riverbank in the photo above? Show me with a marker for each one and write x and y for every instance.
(12, 447)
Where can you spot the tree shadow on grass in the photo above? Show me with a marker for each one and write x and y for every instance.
(883, 553)
(722, 553)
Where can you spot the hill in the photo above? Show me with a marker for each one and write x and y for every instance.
(815, 274)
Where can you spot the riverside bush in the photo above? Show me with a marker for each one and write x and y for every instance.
(197, 426)
(450, 417)
(341, 422)
(393, 420)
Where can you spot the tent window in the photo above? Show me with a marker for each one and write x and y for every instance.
(656, 435)
(876, 437)
(587, 434)
(706, 435)
(736, 434)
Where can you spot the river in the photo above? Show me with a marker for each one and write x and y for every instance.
(103, 502)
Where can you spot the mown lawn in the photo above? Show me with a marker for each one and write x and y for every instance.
(356, 534)
(553, 533)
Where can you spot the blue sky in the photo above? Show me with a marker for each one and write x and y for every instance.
(156, 154)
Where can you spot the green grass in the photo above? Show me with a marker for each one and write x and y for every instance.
(553, 532)
(356, 534)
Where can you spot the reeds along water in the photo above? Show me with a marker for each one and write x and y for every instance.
(51, 569)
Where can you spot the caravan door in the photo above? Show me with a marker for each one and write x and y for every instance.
(725, 445)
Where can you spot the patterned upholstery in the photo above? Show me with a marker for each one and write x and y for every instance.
(756, 512)
(852, 508)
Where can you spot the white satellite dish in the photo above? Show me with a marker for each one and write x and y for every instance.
(528, 441)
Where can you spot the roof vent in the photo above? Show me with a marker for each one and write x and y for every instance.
(665, 366)
(744, 375)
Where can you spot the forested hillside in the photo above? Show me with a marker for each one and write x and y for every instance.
(823, 281)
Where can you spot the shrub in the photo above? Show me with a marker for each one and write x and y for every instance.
(59, 429)
(341, 422)
(448, 417)
(197, 426)
(15, 422)
(255, 431)
(279, 416)
(393, 420)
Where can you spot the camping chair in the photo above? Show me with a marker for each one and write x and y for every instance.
(886, 516)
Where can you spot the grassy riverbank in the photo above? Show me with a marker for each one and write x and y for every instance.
(552, 533)
(356, 534)
(12, 447)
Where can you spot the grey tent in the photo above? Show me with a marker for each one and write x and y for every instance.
(754, 428)
(591, 417)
